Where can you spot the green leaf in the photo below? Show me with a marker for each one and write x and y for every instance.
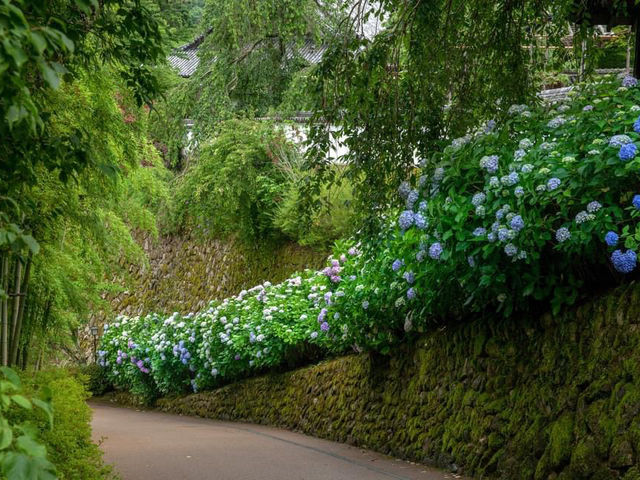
(12, 376)
(6, 434)
(22, 401)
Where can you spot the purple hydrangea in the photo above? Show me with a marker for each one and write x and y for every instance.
(479, 232)
(611, 238)
(409, 277)
(420, 255)
(324, 327)
(636, 201)
(490, 163)
(419, 221)
(627, 151)
(563, 234)
(517, 223)
(478, 199)
(636, 125)
(553, 183)
(518, 192)
(435, 250)
(411, 294)
(624, 262)
(404, 189)
(406, 219)
(503, 234)
(412, 198)
(619, 140)
(397, 263)
(629, 81)
(587, 108)
(594, 206)
(510, 249)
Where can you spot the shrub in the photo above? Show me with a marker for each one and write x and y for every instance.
(233, 186)
(536, 212)
(68, 443)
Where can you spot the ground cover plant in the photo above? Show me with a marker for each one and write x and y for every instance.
(510, 217)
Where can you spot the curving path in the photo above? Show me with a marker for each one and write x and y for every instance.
(147, 445)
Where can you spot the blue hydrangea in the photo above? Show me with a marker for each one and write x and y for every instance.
(503, 234)
(636, 125)
(510, 180)
(619, 140)
(478, 199)
(435, 250)
(525, 144)
(404, 189)
(494, 182)
(624, 262)
(553, 183)
(627, 151)
(629, 81)
(479, 232)
(563, 234)
(490, 163)
(409, 277)
(411, 294)
(527, 168)
(419, 221)
(518, 192)
(594, 206)
(489, 126)
(365, 305)
(406, 219)
(587, 108)
(397, 264)
(510, 249)
(422, 206)
(438, 174)
(519, 155)
(420, 255)
(491, 237)
(481, 211)
(557, 122)
(471, 261)
(517, 223)
(412, 198)
(611, 238)
(636, 201)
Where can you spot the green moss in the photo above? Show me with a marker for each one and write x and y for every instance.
(560, 440)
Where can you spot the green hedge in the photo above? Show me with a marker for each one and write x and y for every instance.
(69, 445)
(555, 397)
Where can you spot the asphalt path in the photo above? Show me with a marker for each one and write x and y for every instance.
(149, 445)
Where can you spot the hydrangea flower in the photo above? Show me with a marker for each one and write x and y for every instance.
(627, 151)
(518, 192)
(494, 182)
(481, 211)
(412, 198)
(527, 168)
(583, 217)
(563, 234)
(636, 201)
(517, 223)
(553, 183)
(471, 261)
(636, 125)
(510, 249)
(557, 122)
(594, 206)
(419, 221)
(519, 155)
(490, 163)
(365, 305)
(409, 277)
(324, 327)
(435, 250)
(478, 199)
(510, 180)
(491, 237)
(404, 189)
(619, 140)
(587, 108)
(396, 265)
(460, 142)
(406, 220)
(411, 294)
(479, 232)
(420, 255)
(525, 144)
(629, 81)
(624, 262)
(489, 126)
(547, 146)
(314, 335)
(513, 109)
(438, 174)
(503, 234)
(422, 206)
(611, 238)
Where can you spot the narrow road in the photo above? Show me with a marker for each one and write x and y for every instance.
(145, 445)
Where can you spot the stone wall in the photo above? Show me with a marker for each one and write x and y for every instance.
(185, 273)
(524, 398)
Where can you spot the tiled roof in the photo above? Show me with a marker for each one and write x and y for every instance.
(186, 60)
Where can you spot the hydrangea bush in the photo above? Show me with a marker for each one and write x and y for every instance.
(536, 211)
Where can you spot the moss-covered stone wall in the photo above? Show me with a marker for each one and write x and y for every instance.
(185, 273)
(525, 398)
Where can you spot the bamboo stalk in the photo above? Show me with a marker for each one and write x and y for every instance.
(17, 327)
(5, 306)
(17, 283)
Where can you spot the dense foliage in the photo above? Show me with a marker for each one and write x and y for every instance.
(533, 212)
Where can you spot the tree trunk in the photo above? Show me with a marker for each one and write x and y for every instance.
(17, 326)
(17, 283)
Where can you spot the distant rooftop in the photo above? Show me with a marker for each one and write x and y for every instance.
(186, 60)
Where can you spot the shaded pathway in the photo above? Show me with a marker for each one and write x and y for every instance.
(147, 445)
